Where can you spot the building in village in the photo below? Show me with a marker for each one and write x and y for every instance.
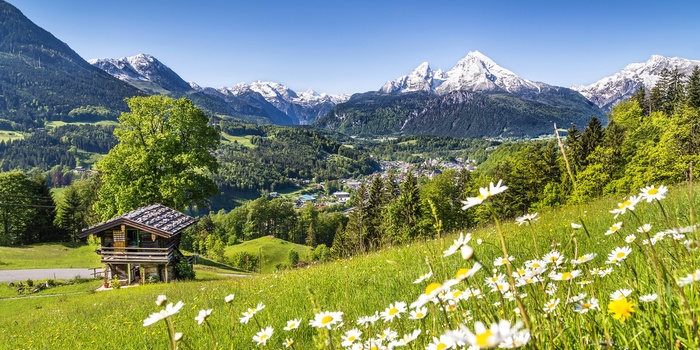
(142, 244)
(342, 196)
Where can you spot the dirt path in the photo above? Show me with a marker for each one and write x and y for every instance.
(43, 274)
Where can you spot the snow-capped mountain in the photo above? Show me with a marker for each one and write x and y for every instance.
(304, 108)
(475, 72)
(144, 72)
(609, 91)
(269, 100)
(423, 78)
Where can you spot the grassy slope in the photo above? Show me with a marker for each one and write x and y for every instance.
(359, 286)
(56, 123)
(242, 140)
(274, 251)
(50, 255)
(10, 135)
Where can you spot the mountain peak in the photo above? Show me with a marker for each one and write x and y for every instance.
(610, 90)
(474, 72)
(144, 72)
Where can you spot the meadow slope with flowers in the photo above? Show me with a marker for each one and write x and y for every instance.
(613, 273)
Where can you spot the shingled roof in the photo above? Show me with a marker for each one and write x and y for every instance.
(157, 219)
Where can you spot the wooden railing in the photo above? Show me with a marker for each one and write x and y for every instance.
(136, 254)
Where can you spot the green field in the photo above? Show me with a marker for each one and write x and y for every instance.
(274, 251)
(46, 256)
(56, 123)
(242, 140)
(368, 284)
(10, 135)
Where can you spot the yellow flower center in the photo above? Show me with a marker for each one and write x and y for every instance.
(653, 191)
(483, 338)
(432, 287)
(621, 255)
(625, 204)
(263, 337)
(351, 338)
(535, 265)
(419, 315)
(327, 319)
(462, 272)
(480, 197)
(553, 258)
(586, 306)
(393, 311)
(566, 276)
(441, 346)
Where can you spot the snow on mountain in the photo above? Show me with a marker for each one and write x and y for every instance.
(423, 78)
(305, 107)
(475, 72)
(144, 72)
(609, 91)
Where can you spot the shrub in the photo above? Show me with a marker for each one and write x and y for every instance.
(183, 270)
(293, 258)
(322, 253)
(245, 261)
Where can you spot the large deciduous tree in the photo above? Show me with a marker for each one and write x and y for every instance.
(165, 155)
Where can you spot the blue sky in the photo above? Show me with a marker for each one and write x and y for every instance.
(355, 46)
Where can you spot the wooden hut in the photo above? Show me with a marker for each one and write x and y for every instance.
(141, 244)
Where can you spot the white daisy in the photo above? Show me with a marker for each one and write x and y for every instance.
(614, 228)
(648, 298)
(626, 205)
(650, 193)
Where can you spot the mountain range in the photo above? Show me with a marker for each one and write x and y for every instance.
(609, 91)
(42, 78)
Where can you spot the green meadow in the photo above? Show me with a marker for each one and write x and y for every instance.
(274, 251)
(372, 283)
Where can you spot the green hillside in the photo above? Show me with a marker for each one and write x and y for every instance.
(368, 284)
(459, 114)
(274, 251)
(36, 65)
(48, 256)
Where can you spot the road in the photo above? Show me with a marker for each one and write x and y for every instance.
(43, 274)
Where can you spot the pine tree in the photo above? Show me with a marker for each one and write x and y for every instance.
(311, 236)
(674, 91)
(574, 149)
(694, 88)
(69, 217)
(640, 96)
(590, 139)
(42, 228)
(375, 205)
(341, 244)
(357, 223)
(409, 207)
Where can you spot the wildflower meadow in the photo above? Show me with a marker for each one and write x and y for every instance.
(620, 274)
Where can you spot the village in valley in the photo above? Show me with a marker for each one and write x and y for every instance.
(326, 194)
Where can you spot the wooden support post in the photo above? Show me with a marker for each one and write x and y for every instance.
(166, 274)
(128, 274)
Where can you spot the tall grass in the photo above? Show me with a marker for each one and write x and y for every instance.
(370, 284)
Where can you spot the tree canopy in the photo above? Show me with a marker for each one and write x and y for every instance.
(165, 155)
